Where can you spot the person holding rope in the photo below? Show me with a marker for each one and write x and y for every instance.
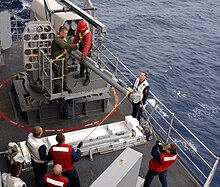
(66, 156)
(84, 37)
(38, 151)
(162, 159)
(141, 86)
(59, 48)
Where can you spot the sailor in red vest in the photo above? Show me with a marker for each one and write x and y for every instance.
(54, 179)
(84, 38)
(65, 155)
(161, 161)
(141, 86)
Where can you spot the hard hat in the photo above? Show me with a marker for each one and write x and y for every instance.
(82, 25)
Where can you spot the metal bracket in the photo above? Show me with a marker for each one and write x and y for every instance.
(90, 155)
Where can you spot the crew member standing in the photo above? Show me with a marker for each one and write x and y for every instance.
(161, 161)
(38, 152)
(65, 155)
(59, 48)
(141, 86)
(84, 38)
(12, 179)
(55, 179)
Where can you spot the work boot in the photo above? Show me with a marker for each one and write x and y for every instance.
(57, 89)
(80, 75)
(66, 88)
(87, 81)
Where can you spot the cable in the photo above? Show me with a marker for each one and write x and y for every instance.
(104, 119)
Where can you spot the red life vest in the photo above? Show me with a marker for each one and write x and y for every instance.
(51, 180)
(166, 160)
(62, 154)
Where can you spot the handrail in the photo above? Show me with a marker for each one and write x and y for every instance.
(45, 61)
(202, 168)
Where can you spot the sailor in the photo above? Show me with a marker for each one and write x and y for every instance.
(65, 155)
(141, 87)
(12, 179)
(38, 152)
(84, 37)
(59, 48)
(161, 161)
(55, 179)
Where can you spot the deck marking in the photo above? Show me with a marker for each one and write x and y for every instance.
(6, 118)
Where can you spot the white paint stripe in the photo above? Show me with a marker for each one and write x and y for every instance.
(54, 182)
(170, 158)
(61, 149)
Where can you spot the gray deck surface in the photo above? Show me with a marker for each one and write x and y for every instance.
(88, 170)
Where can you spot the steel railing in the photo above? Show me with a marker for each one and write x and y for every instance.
(46, 75)
(201, 162)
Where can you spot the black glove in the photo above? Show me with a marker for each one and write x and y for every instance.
(159, 143)
(81, 44)
(80, 145)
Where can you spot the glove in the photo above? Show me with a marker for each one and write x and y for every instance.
(80, 145)
(81, 44)
(159, 143)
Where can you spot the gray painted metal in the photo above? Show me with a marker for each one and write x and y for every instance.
(97, 24)
(2, 62)
(105, 138)
(5, 30)
(140, 182)
(0, 179)
(125, 169)
(94, 67)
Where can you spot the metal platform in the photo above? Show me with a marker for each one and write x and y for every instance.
(84, 99)
(97, 85)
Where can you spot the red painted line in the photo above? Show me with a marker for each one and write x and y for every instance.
(6, 118)
(7, 80)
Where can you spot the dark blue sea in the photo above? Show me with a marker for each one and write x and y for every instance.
(178, 43)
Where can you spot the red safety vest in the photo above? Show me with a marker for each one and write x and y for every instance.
(62, 154)
(166, 160)
(51, 180)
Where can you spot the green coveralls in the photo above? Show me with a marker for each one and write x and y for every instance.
(59, 48)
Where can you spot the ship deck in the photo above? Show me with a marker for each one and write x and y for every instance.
(88, 170)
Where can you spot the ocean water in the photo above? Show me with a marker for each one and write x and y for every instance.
(178, 43)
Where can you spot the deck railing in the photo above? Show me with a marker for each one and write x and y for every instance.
(195, 156)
